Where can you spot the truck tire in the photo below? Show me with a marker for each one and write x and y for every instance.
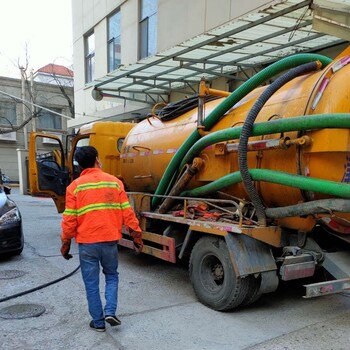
(254, 292)
(212, 275)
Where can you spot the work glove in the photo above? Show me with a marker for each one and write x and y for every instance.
(65, 249)
(137, 239)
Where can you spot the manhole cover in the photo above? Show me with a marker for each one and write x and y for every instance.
(22, 311)
(8, 274)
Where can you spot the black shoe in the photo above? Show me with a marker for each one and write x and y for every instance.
(98, 329)
(113, 320)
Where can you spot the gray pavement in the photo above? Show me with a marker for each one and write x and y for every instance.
(157, 305)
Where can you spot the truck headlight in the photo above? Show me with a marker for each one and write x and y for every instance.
(9, 213)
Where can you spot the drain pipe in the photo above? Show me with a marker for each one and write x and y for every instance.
(190, 171)
(205, 90)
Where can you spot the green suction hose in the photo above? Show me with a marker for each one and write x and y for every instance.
(225, 105)
(341, 190)
(315, 121)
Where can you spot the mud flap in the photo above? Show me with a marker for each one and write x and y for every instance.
(250, 256)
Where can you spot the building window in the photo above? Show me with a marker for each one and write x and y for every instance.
(148, 28)
(113, 41)
(8, 113)
(48, 120)
(90, 58)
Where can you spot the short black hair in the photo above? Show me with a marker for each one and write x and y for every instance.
(86, 156)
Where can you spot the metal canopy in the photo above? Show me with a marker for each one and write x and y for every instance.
(252, 41)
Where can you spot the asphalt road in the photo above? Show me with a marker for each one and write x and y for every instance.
(157, 306)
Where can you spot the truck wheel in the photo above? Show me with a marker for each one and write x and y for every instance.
(254, 292)
(212, 275)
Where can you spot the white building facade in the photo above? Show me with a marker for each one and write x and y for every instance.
(130, 55)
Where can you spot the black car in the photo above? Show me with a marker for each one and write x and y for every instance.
(11, 233)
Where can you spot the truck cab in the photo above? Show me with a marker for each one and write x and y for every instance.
(51, 162)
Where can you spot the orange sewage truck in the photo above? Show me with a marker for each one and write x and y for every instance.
(252, 187)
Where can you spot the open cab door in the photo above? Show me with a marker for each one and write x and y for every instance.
(49, 173)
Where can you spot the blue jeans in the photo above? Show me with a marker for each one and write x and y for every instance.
(91, 255)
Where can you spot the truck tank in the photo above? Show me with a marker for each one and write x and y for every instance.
(317, 153)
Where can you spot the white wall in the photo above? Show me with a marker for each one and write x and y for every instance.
(182, 19)
(178, 20)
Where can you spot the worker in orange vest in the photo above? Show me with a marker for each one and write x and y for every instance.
(96, 209)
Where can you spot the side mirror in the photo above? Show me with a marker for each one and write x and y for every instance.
(7, 190)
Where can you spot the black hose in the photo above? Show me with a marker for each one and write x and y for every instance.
(39, 287)
(175, 109)
(314, 207)
(247, 130)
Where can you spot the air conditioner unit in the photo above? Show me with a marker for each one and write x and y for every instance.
(9, 136)
(48, 140)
